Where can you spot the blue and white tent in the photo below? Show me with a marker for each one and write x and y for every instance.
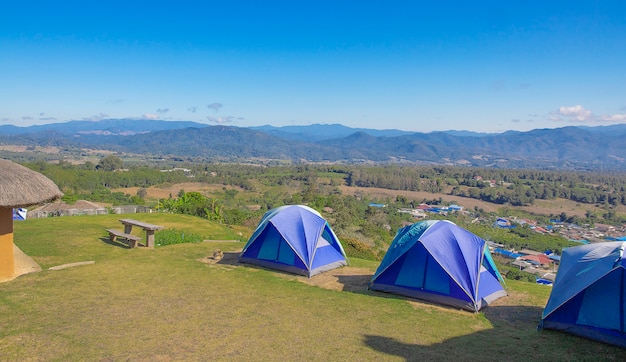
(588, 298)
(296, 239)
(438, 261)
(19, 213)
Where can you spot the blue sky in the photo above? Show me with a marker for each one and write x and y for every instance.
(486, 66)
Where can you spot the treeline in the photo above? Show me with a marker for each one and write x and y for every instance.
(513, 187)
(89, 177)
(94, 179)
(504, 186)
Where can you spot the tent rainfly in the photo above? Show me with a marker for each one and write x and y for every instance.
(440, 262)
(588, 297)
(296, 239)
(19, 187)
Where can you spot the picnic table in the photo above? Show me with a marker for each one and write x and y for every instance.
(149, 229)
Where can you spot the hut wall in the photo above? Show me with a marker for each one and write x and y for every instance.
(7, 263)
(126, 209)
(66, 212)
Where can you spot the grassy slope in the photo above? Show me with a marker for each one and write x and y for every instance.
(164, 304)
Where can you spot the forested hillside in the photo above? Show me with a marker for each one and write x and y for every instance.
(568, 148)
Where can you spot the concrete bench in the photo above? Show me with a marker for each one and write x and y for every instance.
(131, 240)
(148, 228)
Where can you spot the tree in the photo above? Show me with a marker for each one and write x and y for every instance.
(231, 193)
(142, 192)
(110, 163)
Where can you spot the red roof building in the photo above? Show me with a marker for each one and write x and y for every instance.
(541, 259)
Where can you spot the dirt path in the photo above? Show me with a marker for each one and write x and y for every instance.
(346, 278)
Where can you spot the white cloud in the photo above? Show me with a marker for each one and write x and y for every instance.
(614, 118)
(97, 117)
(43, 117)
(576, 113)
(150, 116)
(215, 106)
(220, 120)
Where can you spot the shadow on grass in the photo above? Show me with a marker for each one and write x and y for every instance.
(358, 284)
(121, 244)
(459, 348)
(354, 283)
(229, 258)
(514, 337)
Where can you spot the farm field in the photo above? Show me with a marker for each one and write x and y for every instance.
(163, 192)
(176, 303)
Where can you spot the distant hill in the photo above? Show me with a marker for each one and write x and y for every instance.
(213, 142)
(574, 148)
(103, 127)
(467, 133)
(320, 132)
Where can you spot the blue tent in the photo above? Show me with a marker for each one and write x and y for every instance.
(588, 298)
(296, 239)
(438, 261)
(19, 214)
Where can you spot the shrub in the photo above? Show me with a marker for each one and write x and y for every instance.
(516, 274)
(355, 248)
(173, 236)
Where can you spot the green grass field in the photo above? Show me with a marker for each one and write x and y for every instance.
(167, 305)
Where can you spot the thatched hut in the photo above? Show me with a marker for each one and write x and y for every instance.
(19, 187)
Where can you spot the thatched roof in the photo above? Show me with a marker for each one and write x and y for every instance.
(22, 187)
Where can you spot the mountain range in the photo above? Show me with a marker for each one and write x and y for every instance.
(570, 148)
